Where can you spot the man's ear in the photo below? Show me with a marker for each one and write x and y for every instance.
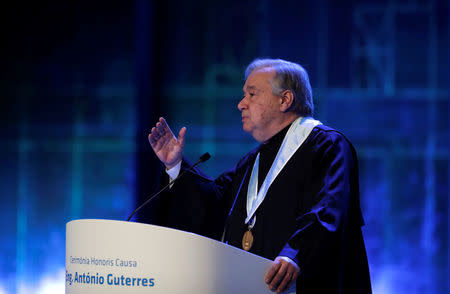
(287, 99)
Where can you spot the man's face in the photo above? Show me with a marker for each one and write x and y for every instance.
(259, 107)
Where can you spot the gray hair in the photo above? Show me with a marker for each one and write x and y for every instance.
(289, 76)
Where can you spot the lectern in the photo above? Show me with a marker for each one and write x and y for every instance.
(105, 256)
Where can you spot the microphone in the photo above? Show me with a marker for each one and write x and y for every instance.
(203, 158)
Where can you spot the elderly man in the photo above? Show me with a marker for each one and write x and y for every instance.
(294, 199)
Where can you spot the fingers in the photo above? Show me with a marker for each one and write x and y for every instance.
(282, 274)
(278, 278)
(152, 137)
(159, 130)
(160, 134)
(164, 125)
(181, 136)
(163, 142)
(293, 279)
(286, 282)
(272, 271)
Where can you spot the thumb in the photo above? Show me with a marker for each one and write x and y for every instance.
(181, 136)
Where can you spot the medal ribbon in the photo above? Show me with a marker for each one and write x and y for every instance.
(296, 135)
(252, 191)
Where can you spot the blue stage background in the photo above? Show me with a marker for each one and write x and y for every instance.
(83, 83)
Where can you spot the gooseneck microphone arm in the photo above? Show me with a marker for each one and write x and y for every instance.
(203, 158)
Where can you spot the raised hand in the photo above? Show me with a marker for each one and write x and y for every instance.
(168, 148)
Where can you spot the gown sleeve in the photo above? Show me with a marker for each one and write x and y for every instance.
(197, 203)
(332, 187)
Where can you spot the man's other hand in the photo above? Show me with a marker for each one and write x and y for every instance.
(283, 272)
(168, 148)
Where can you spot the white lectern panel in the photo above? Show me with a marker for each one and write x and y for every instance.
(104, 256)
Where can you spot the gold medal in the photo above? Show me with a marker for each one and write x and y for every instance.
(247, 240)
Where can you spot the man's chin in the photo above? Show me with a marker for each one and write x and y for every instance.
(246, 128)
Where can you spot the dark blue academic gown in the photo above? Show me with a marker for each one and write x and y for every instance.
(311, 212)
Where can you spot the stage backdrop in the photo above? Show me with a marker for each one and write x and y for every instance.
(83, 83)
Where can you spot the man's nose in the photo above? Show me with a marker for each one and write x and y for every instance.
(241, 104)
